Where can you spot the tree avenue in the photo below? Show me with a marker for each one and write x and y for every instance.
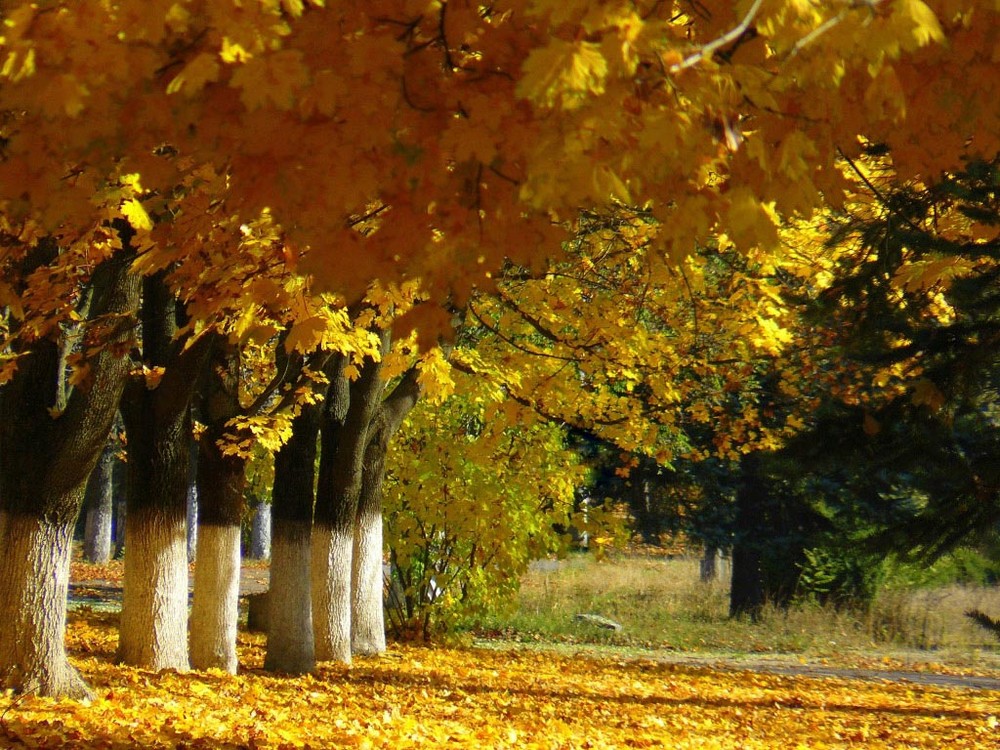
(258, 168)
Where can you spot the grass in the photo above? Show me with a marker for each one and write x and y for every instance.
(662, 605)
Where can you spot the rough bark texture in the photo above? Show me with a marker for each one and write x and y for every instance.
(44, 464)
(367, 612)
(99, 503)
(290, 630)
(215, 611)
(260, 532)
(220, 480)
(342, 448)
(158, 427)
(153, 631)
(332, 548)
(34, 582)
(289, 608)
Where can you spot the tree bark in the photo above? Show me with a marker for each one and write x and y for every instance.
(221, 479)
(153, 631)
(709, 567)
(260, 532)
(367, 608)
(99, 502)
(343, 441)
(747, 591)
(34, 570)
(44, 464)
(290, 630)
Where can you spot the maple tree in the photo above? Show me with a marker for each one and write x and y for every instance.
(495, 125)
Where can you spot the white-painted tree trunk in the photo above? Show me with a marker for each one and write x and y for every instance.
(260, 532)
(34, 583)
(332, 550)
(367, 614)
(215, 610)
(192, 521)
(153, 631)
(289, 620)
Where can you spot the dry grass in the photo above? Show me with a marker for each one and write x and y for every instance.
(662, 604)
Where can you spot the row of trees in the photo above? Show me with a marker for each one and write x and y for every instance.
(267, 214)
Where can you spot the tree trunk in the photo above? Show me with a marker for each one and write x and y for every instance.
(191, 520)
(367, 609)
(153, 631)
(99, 501)
(290, 629)
(260, 532)
(121, 503)
(747, 591)
(709, 568)
(344, 439)
(215, 610)
(44, 465)
(34, 583)
(221, 478)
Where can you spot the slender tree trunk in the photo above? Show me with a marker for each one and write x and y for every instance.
(44, 465)
(747, 591)
(120, 476)
(342, 447)
(367, 608)
(290, 629)
(709, 568)
(191, 519)
(260, 532)
(221, 478)
(99, 502)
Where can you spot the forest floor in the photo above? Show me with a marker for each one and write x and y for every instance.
(99, 588)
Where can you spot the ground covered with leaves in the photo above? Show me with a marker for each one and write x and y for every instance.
(432, 697)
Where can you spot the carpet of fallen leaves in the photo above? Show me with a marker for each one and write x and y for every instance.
(446, 697)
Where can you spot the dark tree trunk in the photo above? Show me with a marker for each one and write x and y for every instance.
(747, 593)
(44, 464)
(221, 479)
(290, 632)
(99, 501)
(120, 479)
(158, 426)
(709, 567)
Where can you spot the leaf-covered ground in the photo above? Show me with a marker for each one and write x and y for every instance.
(441, 697)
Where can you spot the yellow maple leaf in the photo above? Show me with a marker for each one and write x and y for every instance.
(203, 69)
(563, 74)
(136, 214)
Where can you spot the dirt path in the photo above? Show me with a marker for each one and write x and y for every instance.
(791, 665)
(106, 594)
(821, 671)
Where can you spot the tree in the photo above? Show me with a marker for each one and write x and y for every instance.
(156, 411)
(49, 442)
(99, 503)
